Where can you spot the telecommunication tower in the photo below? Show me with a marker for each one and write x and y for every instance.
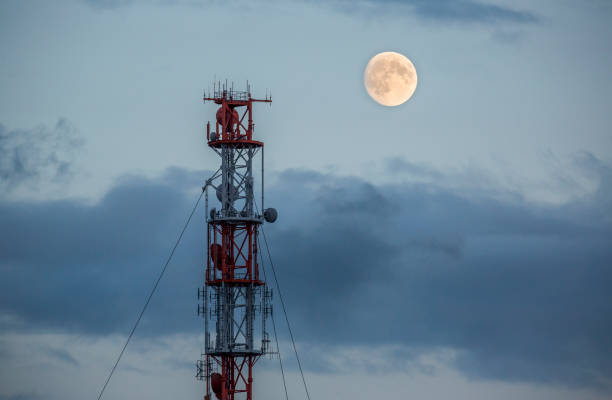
(234, 301)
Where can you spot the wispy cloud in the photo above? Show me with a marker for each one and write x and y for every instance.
(460, 11)
(28, 156)
(62, 355)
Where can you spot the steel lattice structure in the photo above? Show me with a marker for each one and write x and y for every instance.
(235, 302)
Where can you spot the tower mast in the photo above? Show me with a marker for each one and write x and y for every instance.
(235, 302)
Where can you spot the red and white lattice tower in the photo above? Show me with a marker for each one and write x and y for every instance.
(235, 300)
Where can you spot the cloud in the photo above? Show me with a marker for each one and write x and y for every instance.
(518, 292)
(152, 368)
(62, 355)
(461, 11)
(468, 11)
(76, 267)
(503, 282)
(28, 156)
(109, 4)
(20, 396)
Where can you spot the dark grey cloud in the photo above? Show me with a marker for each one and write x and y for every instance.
(521, 292)
(108, 4)
(21, 396)
(461, 11)
(70, 266)
(31, 155)
(467, 11)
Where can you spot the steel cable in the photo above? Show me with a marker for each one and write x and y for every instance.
(280, 295)
(280, 359)
(144, 308)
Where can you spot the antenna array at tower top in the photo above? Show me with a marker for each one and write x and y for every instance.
(224, 91)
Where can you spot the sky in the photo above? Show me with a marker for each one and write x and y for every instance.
(456, 246)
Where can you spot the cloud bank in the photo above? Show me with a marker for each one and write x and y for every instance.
(519, 292)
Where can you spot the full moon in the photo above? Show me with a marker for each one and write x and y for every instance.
(390, 78)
